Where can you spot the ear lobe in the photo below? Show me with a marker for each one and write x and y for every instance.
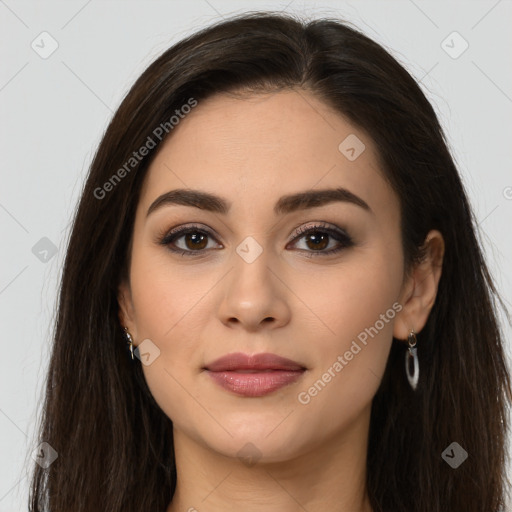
(420, 290)
(126, 309)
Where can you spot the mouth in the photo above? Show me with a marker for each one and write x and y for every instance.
(254, 376)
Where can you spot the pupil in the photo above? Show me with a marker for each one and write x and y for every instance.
(197, 239)
(319, 238)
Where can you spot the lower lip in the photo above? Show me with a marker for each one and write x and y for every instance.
(255, 384)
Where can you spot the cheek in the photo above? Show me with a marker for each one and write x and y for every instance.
(356, 307)
(345, 300)
(167, 297)
(171, 307)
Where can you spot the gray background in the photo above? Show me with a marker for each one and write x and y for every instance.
(54, 110)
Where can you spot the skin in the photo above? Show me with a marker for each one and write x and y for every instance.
(252, 151)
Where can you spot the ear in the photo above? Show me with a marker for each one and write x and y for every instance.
(420, 289)
(126, 309)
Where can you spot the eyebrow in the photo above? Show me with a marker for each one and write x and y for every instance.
(286, 204)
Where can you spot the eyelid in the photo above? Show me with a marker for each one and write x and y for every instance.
(166, 237)
(341, 235)
(299, 230)
(166, 233)
(318, 225)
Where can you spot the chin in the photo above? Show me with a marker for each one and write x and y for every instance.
(263, 443)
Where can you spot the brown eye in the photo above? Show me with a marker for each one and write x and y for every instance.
(194, 241)
(318, 238)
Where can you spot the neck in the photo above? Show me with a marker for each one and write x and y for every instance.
(330, 476)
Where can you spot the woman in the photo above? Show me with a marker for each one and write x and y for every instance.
(273, 296)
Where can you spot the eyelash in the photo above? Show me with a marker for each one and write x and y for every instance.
(167, 238)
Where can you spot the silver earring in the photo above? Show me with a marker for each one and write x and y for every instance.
(130, 340)
(412, 353)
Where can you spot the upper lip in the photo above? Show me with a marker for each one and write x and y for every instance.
(263, 361)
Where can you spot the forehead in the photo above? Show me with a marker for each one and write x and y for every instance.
(258, 147)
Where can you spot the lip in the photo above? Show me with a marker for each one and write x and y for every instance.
(253, 376)
(263, 361)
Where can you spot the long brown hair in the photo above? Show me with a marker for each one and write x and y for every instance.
(115, 444)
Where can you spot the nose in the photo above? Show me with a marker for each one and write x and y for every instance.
(255, 295)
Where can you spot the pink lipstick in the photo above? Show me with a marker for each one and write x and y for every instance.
(254, 376)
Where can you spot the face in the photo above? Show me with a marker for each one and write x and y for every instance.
(318, 282)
